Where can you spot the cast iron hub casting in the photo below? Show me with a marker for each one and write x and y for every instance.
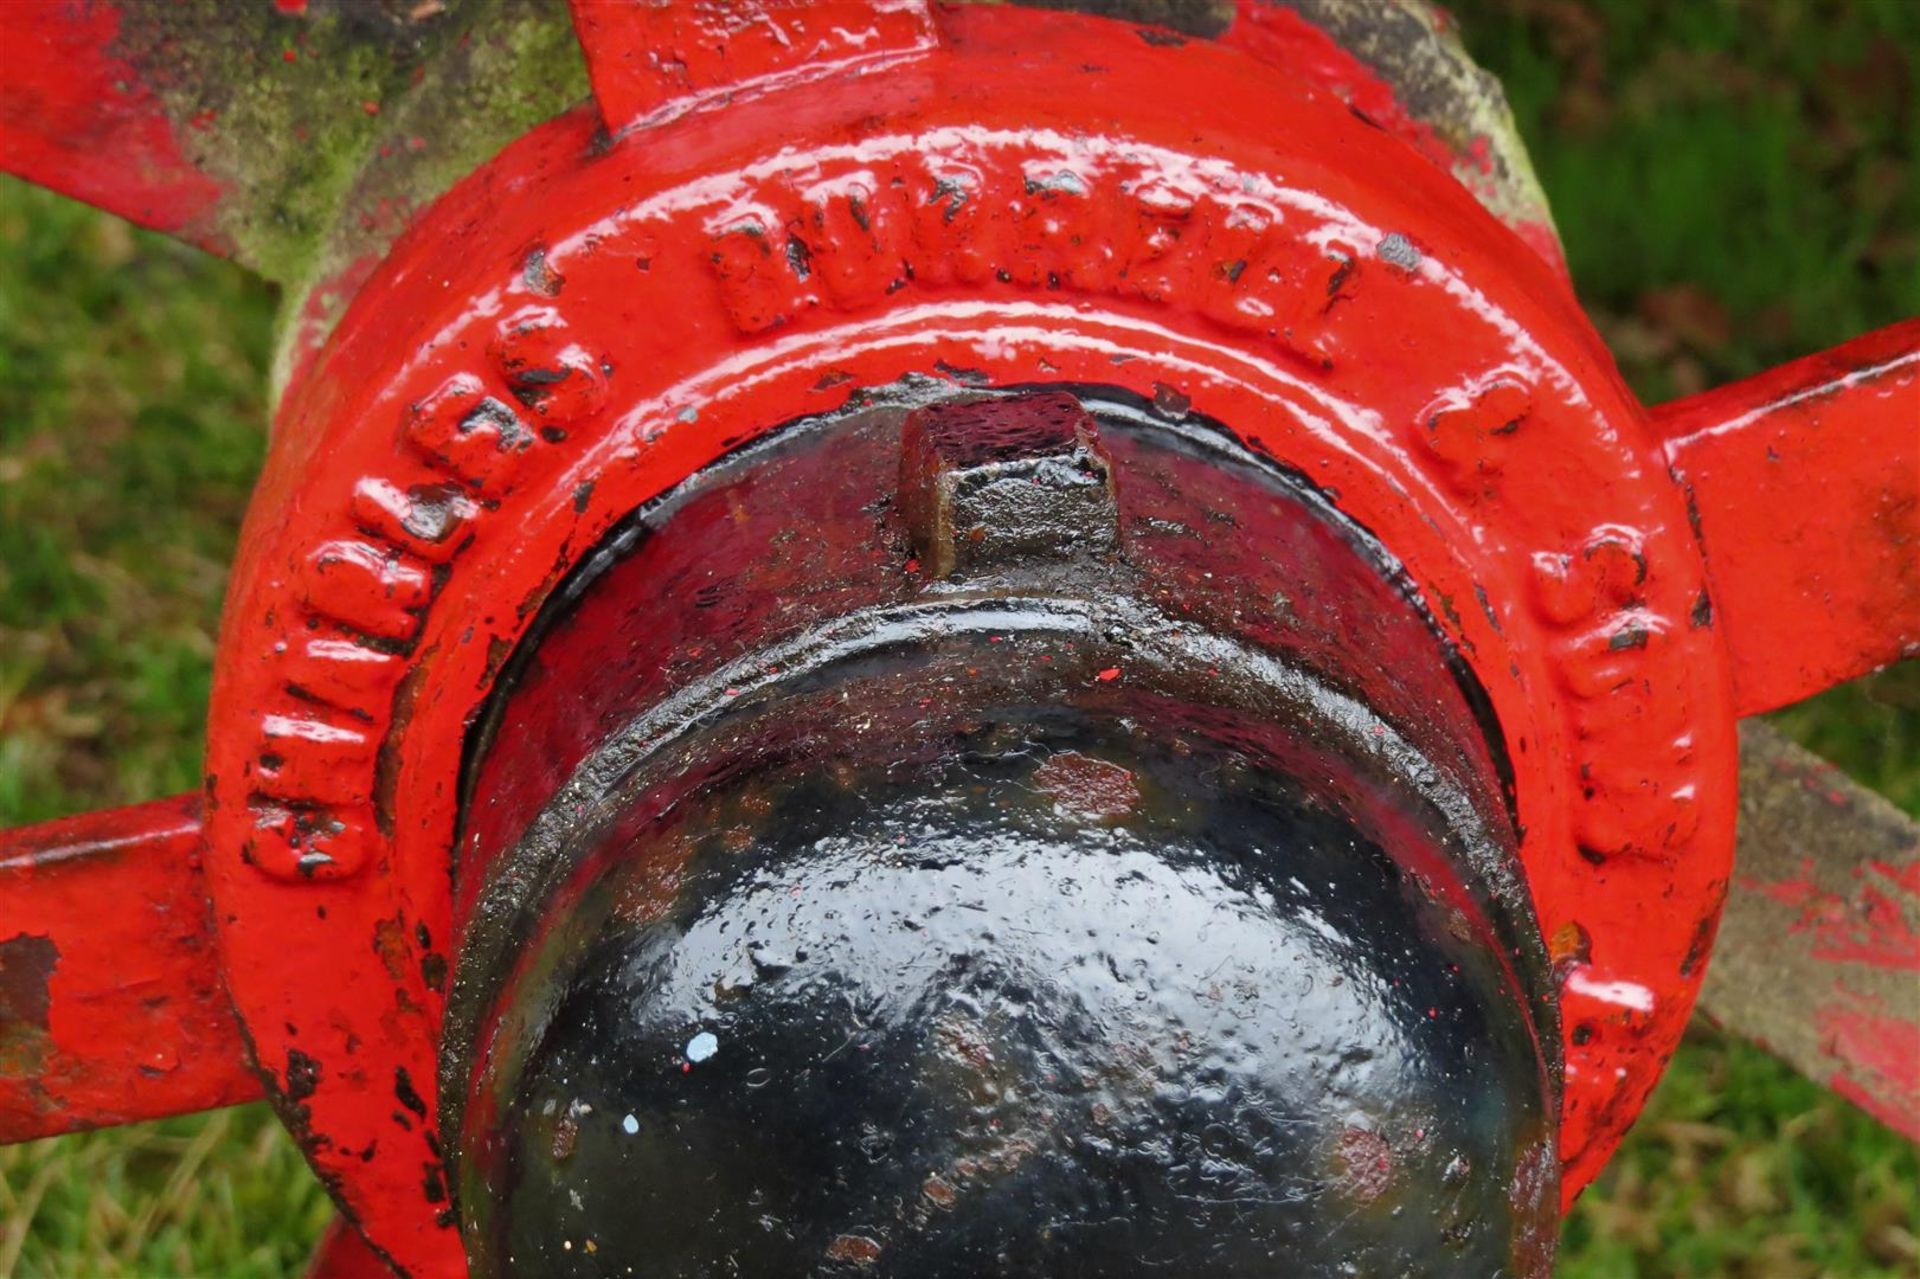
(1007, 879)
(547, 652)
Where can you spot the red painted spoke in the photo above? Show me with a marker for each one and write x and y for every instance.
(1804, 486)
(79, 119)
(111, 1004)
(1818, 958)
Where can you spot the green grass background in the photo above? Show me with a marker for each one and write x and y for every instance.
(1736, 183)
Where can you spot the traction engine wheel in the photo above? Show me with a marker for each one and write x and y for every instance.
(947, 640)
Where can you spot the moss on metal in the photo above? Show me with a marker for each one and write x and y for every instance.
(331, 125)
(332, 122)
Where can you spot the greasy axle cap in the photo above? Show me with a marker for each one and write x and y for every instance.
(986, 836)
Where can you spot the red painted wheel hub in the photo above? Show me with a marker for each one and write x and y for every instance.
(767, 213)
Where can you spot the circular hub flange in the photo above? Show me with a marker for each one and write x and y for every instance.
(576, 330)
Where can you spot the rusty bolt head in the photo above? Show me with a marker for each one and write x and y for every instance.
(987, 482)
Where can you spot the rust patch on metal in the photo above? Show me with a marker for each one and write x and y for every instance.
(1366, 1164)
(1088, 788)
(858, 1250)
(27, 963)
(303, 1076)
(390, 944)
(386, 767)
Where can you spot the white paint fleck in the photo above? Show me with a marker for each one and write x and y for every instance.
(1621, 994)
(702, 1046)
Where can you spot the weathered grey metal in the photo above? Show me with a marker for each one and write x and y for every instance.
(1818, 958)
(1414, 46)
(988, 481)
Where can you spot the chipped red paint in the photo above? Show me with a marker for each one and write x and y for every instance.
(804, 201)
(1879, 1054)
(1817, 953)
(1805, 483)
(1869, 927)
(111, 1007)
(1281, 37)
(77, 119)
